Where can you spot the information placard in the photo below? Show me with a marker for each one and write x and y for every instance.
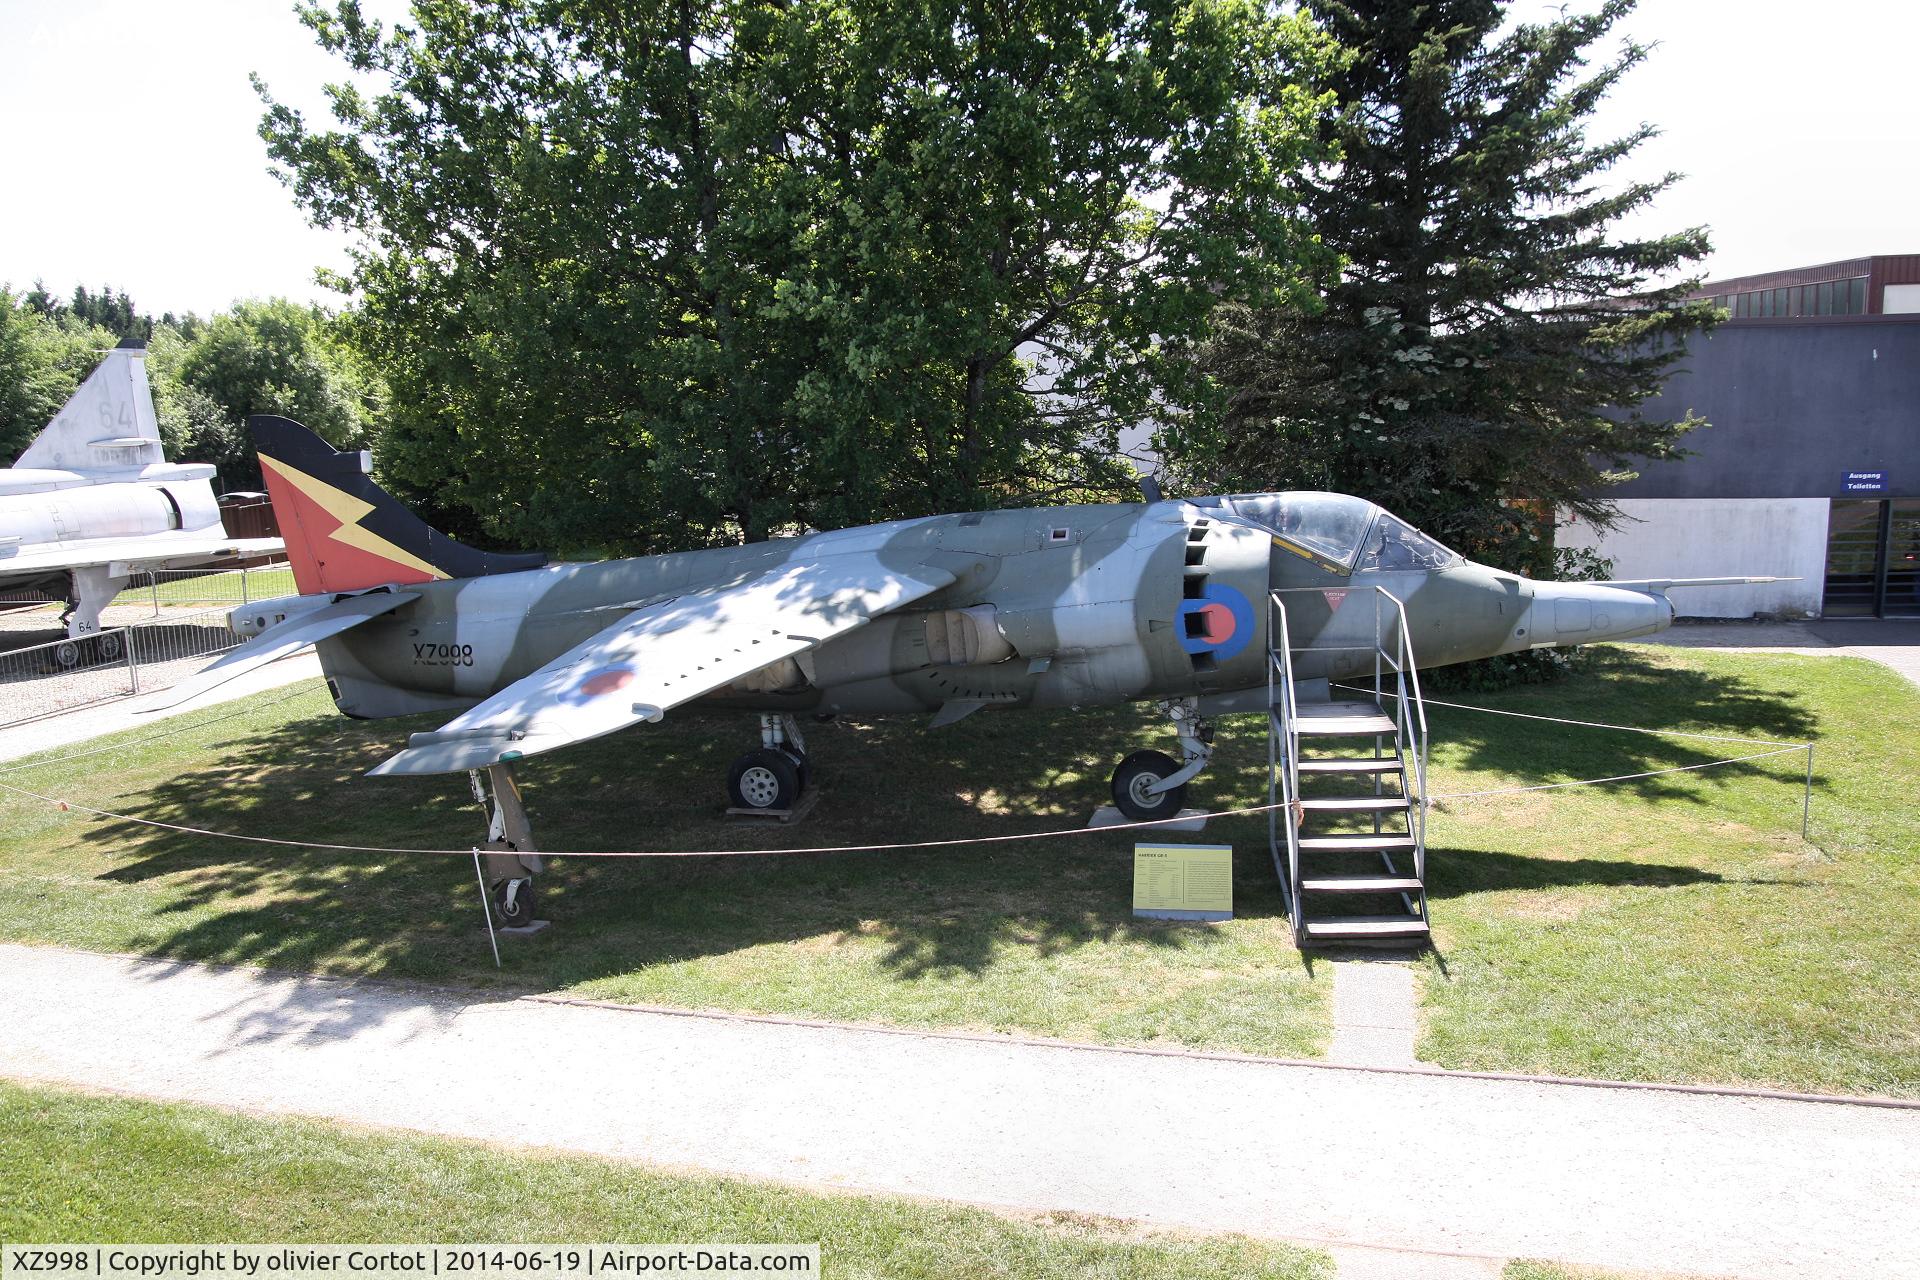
(1183, 881)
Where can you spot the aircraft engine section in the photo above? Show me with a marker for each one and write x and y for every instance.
(108, 511)
(899, 645)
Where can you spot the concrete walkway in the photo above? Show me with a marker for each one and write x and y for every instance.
(1376, 1015)
(78, 725)
(1653, 1180)
(1892, 642)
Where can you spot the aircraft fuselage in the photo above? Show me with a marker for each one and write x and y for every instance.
(1050, 607)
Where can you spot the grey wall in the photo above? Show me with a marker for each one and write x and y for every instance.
(1794, 407)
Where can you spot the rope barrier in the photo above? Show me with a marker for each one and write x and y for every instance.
(76, 806)
(1596, 724)
(627, 853)
(1619, 777)
(1782, 748)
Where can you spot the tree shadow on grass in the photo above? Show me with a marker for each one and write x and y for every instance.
(1624, 686)
(1459, 873)
(936, 912)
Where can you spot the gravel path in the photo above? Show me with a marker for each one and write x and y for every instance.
(1656, 1180)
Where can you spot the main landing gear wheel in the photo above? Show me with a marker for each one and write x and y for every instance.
(768, 778)
(513, 899)
(107, 645)
(1136, 774)
(66, 655)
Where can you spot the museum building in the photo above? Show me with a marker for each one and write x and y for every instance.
(1811, 467)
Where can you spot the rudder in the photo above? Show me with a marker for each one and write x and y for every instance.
(346, 533)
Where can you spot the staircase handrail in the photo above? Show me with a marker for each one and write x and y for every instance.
(1280, 663)
(1410, 715)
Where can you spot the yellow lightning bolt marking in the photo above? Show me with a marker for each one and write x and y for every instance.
(349, 511)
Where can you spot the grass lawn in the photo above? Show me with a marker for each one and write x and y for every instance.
(1035, 938)
(84, 1168)
(213, 590)
(1676, 929)
(1679, 928)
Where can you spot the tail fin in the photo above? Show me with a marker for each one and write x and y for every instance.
(108, 425)
(346, 533)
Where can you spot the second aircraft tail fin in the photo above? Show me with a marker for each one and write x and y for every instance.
(108, 424)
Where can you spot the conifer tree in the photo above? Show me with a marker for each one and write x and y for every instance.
(1492, 337)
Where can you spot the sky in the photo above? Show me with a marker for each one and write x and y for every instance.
(129, 144)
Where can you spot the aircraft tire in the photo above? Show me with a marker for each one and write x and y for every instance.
(804, 765)
(764, 779)
(108, 646)
(66, 655)
(1139, 771)
(520, 912)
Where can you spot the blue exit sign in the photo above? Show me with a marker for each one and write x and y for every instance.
(1864, 482)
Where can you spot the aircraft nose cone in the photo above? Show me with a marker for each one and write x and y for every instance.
(1582, 613)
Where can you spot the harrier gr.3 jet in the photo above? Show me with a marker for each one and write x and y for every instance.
(1044, 607)
(93, 501)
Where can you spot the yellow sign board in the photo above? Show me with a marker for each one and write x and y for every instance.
(1183, 881)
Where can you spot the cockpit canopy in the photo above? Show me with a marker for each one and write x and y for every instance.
(1348, 531)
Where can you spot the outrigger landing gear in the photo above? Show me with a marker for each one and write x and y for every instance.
(774, 776)
(511, 862)
(1149, 785)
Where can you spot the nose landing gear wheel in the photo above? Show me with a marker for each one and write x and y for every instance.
(1135, 775)
(513, 899)
(765, 779)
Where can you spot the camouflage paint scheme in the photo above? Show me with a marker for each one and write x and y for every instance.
(1168, 601)
(1094, 601)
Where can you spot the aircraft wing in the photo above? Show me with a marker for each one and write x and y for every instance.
(665, 654)
(134, 554)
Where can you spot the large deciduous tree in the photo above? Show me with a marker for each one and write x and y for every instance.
(658, 272)
(1492, 335)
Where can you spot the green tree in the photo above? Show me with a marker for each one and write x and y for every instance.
(106, 309)
(1492, 337)
(272, 356)
(654, 274)
(43, 358)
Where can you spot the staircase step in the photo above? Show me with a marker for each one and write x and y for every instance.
(1343, 719)
(1350, 764)
(1361, 804)
(1368, 927)
(1359, 840)
(1360, 884)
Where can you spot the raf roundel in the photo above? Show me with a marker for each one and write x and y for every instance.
(600, 682)
(1219, 623)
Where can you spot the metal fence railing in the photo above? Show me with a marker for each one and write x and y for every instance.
(165, 589)
(61, 675)
(162, 590)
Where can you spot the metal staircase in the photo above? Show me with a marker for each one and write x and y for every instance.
(1347, 827)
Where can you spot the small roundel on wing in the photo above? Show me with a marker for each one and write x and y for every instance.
(600, 682)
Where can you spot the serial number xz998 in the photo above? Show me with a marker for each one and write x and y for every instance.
(49, 1260)
(443, 655)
